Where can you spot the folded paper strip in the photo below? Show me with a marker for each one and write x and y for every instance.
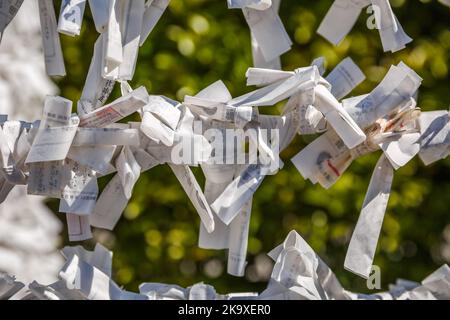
(298, 274)
(63, 154)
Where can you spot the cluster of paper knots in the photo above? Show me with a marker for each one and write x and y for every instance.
(62, 154)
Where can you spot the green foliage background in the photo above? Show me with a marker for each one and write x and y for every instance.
(200, 41)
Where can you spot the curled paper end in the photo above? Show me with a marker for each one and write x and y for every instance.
(209, 226)
(338, 118)
(62, 154)
(298, 274)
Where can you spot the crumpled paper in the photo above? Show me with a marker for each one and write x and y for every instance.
(269, 38)
(298, 274)
(62, 155)
(397, 132)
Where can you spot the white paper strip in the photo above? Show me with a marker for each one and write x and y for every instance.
(96, 89)
(195, 194)
(268, 31)
(110, 205)
(71, 17)
(152, 14)
(361, 250)
(80, 191)
(392, 35)
(238, 241)
(340, 19)
(78, 226)
(54, 61)
(344, 78)
(116, 110)
(131, 25)
(100, 13)
(8, 10)
(112, 43)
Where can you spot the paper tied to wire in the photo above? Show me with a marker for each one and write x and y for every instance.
(63, 154)
(396, 132)
(237, 183)
(342, 80)
(164, 124)
(87, 276)
(230, 191)
(306, 88)
(326, 158)
(383, 115)
(93, 144)
(60, 157)
(343, 15)
(124, 25)
(216, 106)
(269, 38)
(298, 274)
